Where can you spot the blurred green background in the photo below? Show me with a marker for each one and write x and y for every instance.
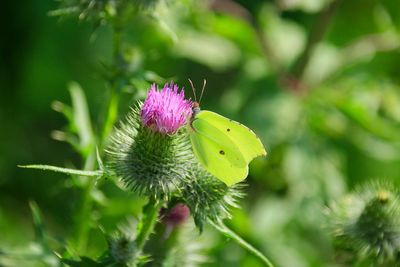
(317, 80)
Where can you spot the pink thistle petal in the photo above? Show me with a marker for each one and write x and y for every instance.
(167, 110)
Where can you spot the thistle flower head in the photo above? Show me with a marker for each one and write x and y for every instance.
(146, 161)
(167, 110)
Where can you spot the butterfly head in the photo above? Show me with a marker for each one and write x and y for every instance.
(195, 108)
(195, 104)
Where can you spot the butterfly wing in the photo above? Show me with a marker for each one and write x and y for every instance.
(245, 139)
(217, 153)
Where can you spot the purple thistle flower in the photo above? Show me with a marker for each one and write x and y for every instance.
(176, 216)
(167, 110)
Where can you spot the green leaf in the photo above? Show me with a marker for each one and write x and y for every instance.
(63, 109)
(99, 160)
(368, 120)
(287, 37)
(37, 223)
(81, 115)
(308, 6)
(210, 50)
(63, 170)
(166, 28)
(112, 114)
(149, 220)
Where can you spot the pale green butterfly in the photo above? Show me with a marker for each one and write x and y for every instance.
(223, 146)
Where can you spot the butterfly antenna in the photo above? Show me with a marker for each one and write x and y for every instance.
(193, 89)
(202, 90)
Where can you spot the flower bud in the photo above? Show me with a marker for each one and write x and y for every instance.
(207, 197)
(368, 222)
(177, 215)
(122, 249)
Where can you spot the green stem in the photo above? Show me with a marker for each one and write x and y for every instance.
(111, 116)
(117, 65)
(229, 233)
(84, 212)
(83, 217)
(150, 215)
(96, 173)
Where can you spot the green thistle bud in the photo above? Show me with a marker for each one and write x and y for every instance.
(368, 222)
(207, 197)
(122, 249)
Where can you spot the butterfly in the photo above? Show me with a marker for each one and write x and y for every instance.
(223, 146)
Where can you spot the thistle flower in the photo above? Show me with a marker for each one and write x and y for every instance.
(368, 223)
(167, 110)
(149, 152)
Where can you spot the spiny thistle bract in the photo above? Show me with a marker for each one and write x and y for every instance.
(368, 222)
(151, 153)
(207, 197)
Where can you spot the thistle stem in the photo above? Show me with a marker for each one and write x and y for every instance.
(83, 217)
(117, 65)
(231, 234)
(111, 116)
(150, 213)
(96, 173)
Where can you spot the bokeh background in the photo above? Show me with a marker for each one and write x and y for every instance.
(317, 80)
